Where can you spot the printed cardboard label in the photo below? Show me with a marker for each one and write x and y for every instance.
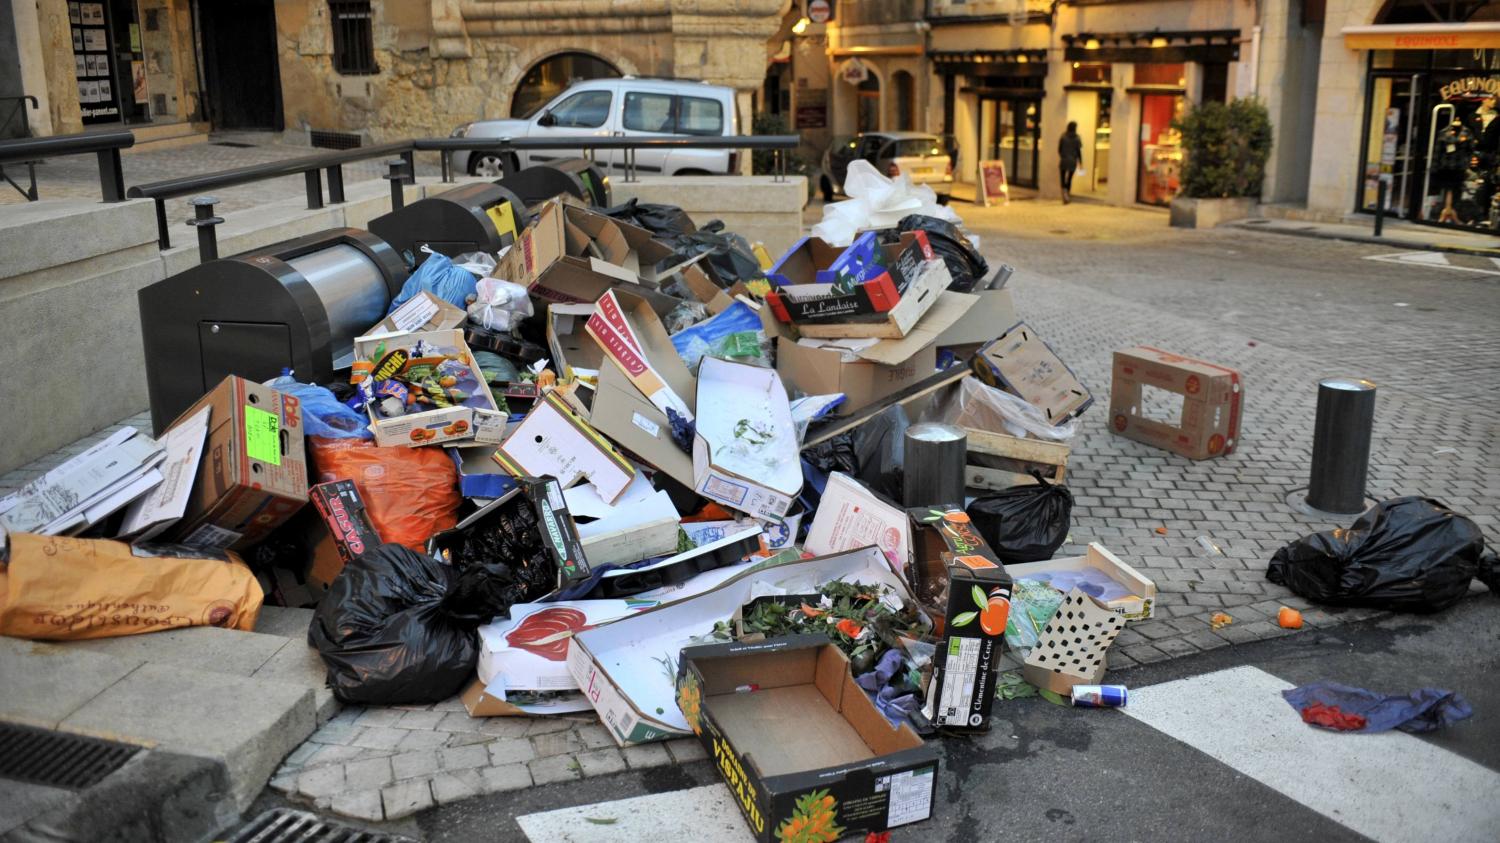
(262, 435)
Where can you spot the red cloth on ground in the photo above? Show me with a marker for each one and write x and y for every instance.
(1332, 717)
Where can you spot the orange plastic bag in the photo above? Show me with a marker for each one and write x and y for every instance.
(409, 493)
(62, 588)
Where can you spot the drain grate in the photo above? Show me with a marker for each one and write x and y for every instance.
(58, 759)
(284, 825)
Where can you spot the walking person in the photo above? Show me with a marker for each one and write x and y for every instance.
(1070, 154)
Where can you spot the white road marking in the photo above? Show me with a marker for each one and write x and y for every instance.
(1389, 787)
(706, 814)
(1432, 259)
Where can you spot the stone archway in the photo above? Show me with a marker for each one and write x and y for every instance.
(550, 76)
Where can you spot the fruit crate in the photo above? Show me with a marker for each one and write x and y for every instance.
(998, 461)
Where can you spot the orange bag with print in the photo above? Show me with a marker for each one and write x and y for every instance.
(62, 588)
(409, 493)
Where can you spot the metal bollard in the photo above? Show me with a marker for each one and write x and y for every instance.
(935, 455)
(204, 220)
(1379, 206)
(1341, 445)
(396, 174)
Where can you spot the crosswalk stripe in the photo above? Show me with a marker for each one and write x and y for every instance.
(1432, 259)
(706, 814)
(1389, 787)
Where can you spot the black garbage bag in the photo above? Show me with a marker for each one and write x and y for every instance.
(1024, 523)
(660, 220)
(729, 256)
(965, 264)
(1406, 554)
(388, 631)
(880, 448)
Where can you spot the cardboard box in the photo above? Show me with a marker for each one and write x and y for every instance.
(571, 346)
(619, 665)
(348, 524)
(1137, 606)
(422, 312)
(480, 703)
(553, 441)
(479, 476)
(555, 533)
(632, 422)
(977, 326)
(739, 403)
(1211, 397)
(561, 261)
(888, 304)
(798, 742)
(1020, 362)
(932, 279)
(641, 524)
(1072, 647)
(623, 325)
(945, 545)
(822, 370)
(850, 515)
(253, 472)
(429, 427)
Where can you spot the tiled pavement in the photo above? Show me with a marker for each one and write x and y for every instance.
(1093, 280)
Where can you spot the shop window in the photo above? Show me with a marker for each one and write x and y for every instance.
(583, 110)
(353, 37)
(699, 116)
(1173, 75)
(648, 112)
(903, 87)
(1091, 73)
(1161, 149)
(551, 76)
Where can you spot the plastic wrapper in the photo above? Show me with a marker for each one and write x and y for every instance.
(965, 265)
(1408, 554)
(481, 264)
(500, 306)
(974, 405)
(876, 202)
(684, 316)
(323, 414)
(409, 493)
(734, 334)
(496, 369)
(1025, 523)
(392, 630)
(1032, 604)
(437, 275)
(660, 220)
(811, 408)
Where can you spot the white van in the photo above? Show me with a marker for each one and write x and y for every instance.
(628, 107)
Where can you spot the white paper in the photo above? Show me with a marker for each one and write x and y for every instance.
(850, 516)
(122, 495)
(151, 514)
(531, 665)
(64, 493)
(414, 314)
(911, 796)
(584, 501)
(119, 436)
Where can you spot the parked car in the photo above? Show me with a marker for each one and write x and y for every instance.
(624, 107)
(924, 157)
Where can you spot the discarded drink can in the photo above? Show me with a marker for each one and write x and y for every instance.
(1100, 696)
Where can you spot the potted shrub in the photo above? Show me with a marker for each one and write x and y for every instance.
(1225, 150)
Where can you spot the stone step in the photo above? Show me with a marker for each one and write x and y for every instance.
(159, 136)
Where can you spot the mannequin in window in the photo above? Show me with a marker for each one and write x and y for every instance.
(1451, 151)
(1486, 154)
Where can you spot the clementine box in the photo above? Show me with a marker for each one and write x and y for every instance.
(1210, 396)
(805, 753)
(945, 545)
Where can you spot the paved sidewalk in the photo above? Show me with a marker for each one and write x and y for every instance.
(1395, 234)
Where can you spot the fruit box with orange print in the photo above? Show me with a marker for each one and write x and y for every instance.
(945, 545)
(806, 755)
(1211, 395)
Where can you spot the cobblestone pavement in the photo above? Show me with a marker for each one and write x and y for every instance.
(1093, 279)
(77, 176)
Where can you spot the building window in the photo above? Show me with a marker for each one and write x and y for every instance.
(1092, 73)
(353, 37)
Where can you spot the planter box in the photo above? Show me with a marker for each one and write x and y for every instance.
(1207, 213)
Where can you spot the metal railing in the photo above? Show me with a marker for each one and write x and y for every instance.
(313, 167)
(106, 145)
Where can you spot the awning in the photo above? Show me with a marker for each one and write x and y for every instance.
(1423, 36)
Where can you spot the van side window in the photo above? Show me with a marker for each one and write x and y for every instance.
(648, 112)
(583, 110)
(699, 116)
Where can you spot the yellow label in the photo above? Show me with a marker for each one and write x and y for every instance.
(262, 435)
(504, 218)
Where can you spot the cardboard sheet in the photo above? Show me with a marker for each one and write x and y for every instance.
(850, 516)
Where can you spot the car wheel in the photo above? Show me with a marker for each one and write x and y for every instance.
(827, 190)
(490, 165)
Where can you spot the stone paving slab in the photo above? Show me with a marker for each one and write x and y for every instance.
(57, 681)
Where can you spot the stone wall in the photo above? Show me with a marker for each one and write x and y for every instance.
(1340, 110)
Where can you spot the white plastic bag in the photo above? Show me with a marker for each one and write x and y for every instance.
(876, 202)
(982, 407)
(481, 264)
(501, 305)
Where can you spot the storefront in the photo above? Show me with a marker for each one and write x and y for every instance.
(1000, 94)
(1091, 105)
(134, 61)
(1431, 133)
(1163, 96)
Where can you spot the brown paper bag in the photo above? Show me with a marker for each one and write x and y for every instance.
(62, 588)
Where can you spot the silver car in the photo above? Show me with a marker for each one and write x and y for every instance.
(627, 107)
(926, 158)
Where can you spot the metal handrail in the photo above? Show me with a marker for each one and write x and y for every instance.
(106, 145)
(332, 162)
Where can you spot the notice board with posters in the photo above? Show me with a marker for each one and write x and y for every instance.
(98, 101)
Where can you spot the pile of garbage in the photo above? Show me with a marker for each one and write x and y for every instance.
(639, 457)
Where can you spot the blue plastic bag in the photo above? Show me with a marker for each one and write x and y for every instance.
(322, 414)
(1423, 710)
(438, 275)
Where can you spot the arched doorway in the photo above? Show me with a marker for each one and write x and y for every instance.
(552, 75)
(904, 89)
(867, 105)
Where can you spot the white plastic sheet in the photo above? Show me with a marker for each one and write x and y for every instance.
(876, 202)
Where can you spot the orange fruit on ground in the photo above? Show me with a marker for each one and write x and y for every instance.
(1289, 618)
